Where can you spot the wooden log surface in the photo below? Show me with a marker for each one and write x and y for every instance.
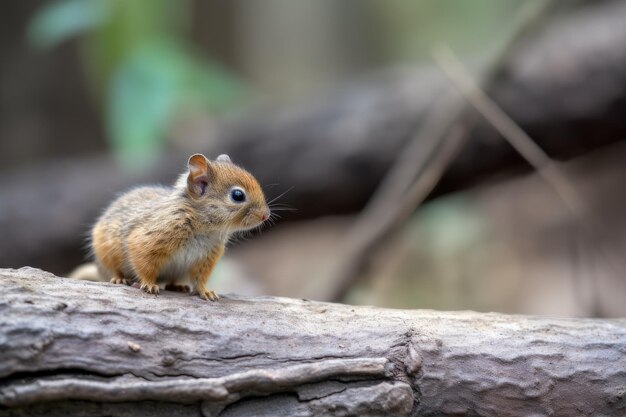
(92, 349)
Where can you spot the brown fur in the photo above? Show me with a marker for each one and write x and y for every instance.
(105, 248)
(202, 270)
(177, 233)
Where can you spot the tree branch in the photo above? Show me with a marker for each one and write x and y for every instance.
(90, 349)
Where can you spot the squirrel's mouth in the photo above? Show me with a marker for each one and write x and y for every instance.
(255, 218)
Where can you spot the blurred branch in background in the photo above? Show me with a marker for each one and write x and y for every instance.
(548, 170)
(334, 150)
(510, 131)
(141, 67)
(420, 166)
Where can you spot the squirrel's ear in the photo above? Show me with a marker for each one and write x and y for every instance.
(199, 173)
(223, 158)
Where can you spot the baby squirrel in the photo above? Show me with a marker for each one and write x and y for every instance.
(175, 235)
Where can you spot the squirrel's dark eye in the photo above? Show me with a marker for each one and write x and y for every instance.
(237, 195)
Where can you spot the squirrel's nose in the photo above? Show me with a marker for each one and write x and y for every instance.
(266, 215)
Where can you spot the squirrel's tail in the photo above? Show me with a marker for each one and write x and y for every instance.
(87, 272)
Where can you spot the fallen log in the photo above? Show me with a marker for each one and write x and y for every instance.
(93, 349)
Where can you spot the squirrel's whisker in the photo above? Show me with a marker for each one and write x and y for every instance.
(280, 195)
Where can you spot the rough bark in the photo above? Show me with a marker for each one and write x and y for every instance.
(91, 349)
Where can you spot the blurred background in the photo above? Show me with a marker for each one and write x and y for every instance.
(392, 189)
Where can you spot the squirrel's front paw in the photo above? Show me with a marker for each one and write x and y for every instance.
(118, 280)
(150, 288)
(208, 295)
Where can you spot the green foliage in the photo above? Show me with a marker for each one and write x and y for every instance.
(139, 66)
(64, 19)
(148, 89)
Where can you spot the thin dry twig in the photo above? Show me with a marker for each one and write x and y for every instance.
(511, 131)
(418, 168)
(546, 167)
(375, 225)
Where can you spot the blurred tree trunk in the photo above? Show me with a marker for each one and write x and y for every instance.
(46, 111)
(92, 349)
(564, 84)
